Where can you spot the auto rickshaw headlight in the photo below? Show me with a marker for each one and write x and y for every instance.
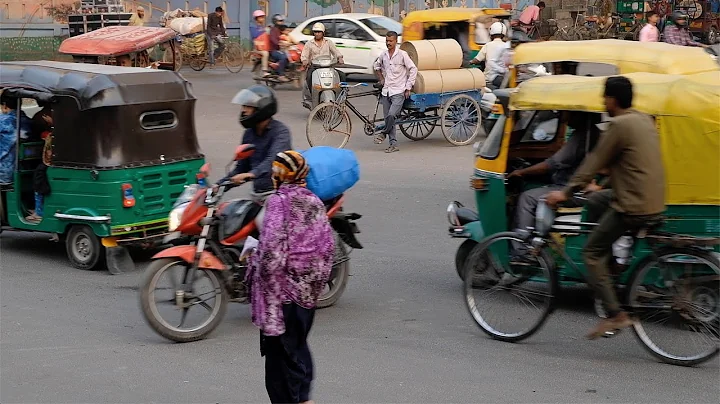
(452, 214)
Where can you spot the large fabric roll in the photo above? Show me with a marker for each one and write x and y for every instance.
(439, 81)
(434, 54)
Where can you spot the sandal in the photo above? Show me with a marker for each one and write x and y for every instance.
(33, 218)
(379, 139)
(391, 149)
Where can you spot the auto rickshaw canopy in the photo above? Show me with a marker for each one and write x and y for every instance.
(96, 86)
(116, 41)
(687, 111)
(415, 23)
(627, 56)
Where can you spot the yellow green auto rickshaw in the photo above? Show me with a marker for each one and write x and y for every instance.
(452, 22)
(669, 271)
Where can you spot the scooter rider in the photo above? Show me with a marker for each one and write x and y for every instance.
(492, 54)
(270, 137)
(318, 47)
(275, 52)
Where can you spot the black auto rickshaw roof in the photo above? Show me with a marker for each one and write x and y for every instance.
(94, 85)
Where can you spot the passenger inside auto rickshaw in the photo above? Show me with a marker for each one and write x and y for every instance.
(9, 110)
(581, 137)
(41, 185)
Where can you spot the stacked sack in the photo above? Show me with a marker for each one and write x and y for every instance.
(439, 64)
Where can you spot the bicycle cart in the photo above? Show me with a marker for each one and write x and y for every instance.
(457, 113)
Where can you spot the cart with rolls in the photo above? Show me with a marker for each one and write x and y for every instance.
(444, 95)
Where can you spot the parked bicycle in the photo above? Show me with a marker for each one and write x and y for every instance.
(674, 291)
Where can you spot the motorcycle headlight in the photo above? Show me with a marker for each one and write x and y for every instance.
(176, 217)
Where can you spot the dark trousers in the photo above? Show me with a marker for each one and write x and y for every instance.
(288, 361)
(281, 58)
(307, 91)
(598, 253)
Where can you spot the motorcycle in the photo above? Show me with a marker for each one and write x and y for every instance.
(293, 69)
(212, 242)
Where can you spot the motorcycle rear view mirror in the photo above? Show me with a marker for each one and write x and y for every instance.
(244, 151)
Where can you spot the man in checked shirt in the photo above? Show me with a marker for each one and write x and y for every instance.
(397, 73)
(678, 33)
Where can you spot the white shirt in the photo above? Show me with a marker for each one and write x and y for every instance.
(399, 71)
(492, 53)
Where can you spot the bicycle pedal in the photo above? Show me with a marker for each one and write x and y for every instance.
(610, 334)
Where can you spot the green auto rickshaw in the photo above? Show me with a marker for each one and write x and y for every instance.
(684, 108)
(123, 147)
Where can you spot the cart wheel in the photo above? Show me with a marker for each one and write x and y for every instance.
(460, 120)
(196, 63)
(168, 58)
(417, 129)
(83, 247)
(328, 125)
(234, 56)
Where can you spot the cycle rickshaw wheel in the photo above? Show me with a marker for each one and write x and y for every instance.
(417, 130)
(328, 125)
(234, 57)
(460, 122)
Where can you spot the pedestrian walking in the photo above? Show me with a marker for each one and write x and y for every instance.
(287, 274)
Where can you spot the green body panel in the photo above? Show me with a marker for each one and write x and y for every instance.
(490, 206)
(86, 192)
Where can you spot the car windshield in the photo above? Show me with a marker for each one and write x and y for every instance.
(381, 25)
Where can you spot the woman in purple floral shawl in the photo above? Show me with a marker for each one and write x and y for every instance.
(287, 274)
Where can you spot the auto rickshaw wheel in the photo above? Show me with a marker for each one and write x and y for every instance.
(83, 247)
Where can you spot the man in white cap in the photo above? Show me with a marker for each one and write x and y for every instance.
(317, 47)
(138, 18)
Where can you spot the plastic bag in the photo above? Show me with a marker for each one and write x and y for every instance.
(332, 171)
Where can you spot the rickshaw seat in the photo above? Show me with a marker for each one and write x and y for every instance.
(466, 215)
(570, 210)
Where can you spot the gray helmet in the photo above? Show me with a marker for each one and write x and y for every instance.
(679, 15)
(262, 98)
(278, 19)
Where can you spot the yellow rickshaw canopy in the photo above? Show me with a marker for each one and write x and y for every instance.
(450, 14)
(627, 56)
(687, 111)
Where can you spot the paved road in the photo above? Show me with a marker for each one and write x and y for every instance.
(400, 333)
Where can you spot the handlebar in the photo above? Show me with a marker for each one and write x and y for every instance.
(346, 85)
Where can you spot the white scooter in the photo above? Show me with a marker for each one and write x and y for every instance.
(325, 81)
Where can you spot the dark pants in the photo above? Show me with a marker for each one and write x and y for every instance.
(598, 253)
(288, 361)
(307, 91)
(281, 58)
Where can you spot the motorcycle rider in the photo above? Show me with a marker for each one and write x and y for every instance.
(270, 137)
(492, 54)
(275, 52)
(260, 39)
(317, 47)
(678, 33)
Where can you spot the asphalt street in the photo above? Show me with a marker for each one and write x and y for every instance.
(399, 334)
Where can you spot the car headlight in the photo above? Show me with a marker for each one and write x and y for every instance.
(176, 217)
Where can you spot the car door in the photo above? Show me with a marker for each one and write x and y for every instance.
(354, 42)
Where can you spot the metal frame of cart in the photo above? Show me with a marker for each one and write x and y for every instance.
(458, 113)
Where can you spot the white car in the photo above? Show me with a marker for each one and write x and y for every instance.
(359, 37)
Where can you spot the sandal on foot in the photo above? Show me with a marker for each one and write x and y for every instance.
(379, 139)
(391, 149)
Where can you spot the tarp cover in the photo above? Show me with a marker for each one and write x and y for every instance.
(116, 41)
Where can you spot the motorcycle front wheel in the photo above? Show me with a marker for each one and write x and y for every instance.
(338, 277)
(189, 317)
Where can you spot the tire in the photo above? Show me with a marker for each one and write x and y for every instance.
(635, 289)
(461, 109)
(197, 63)
(234, 57)
(329, 117)
(83, 248)
(461, 256)
(480, 254)
(159, 325)
(418, 130)
(341, 276)
(168, 57)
